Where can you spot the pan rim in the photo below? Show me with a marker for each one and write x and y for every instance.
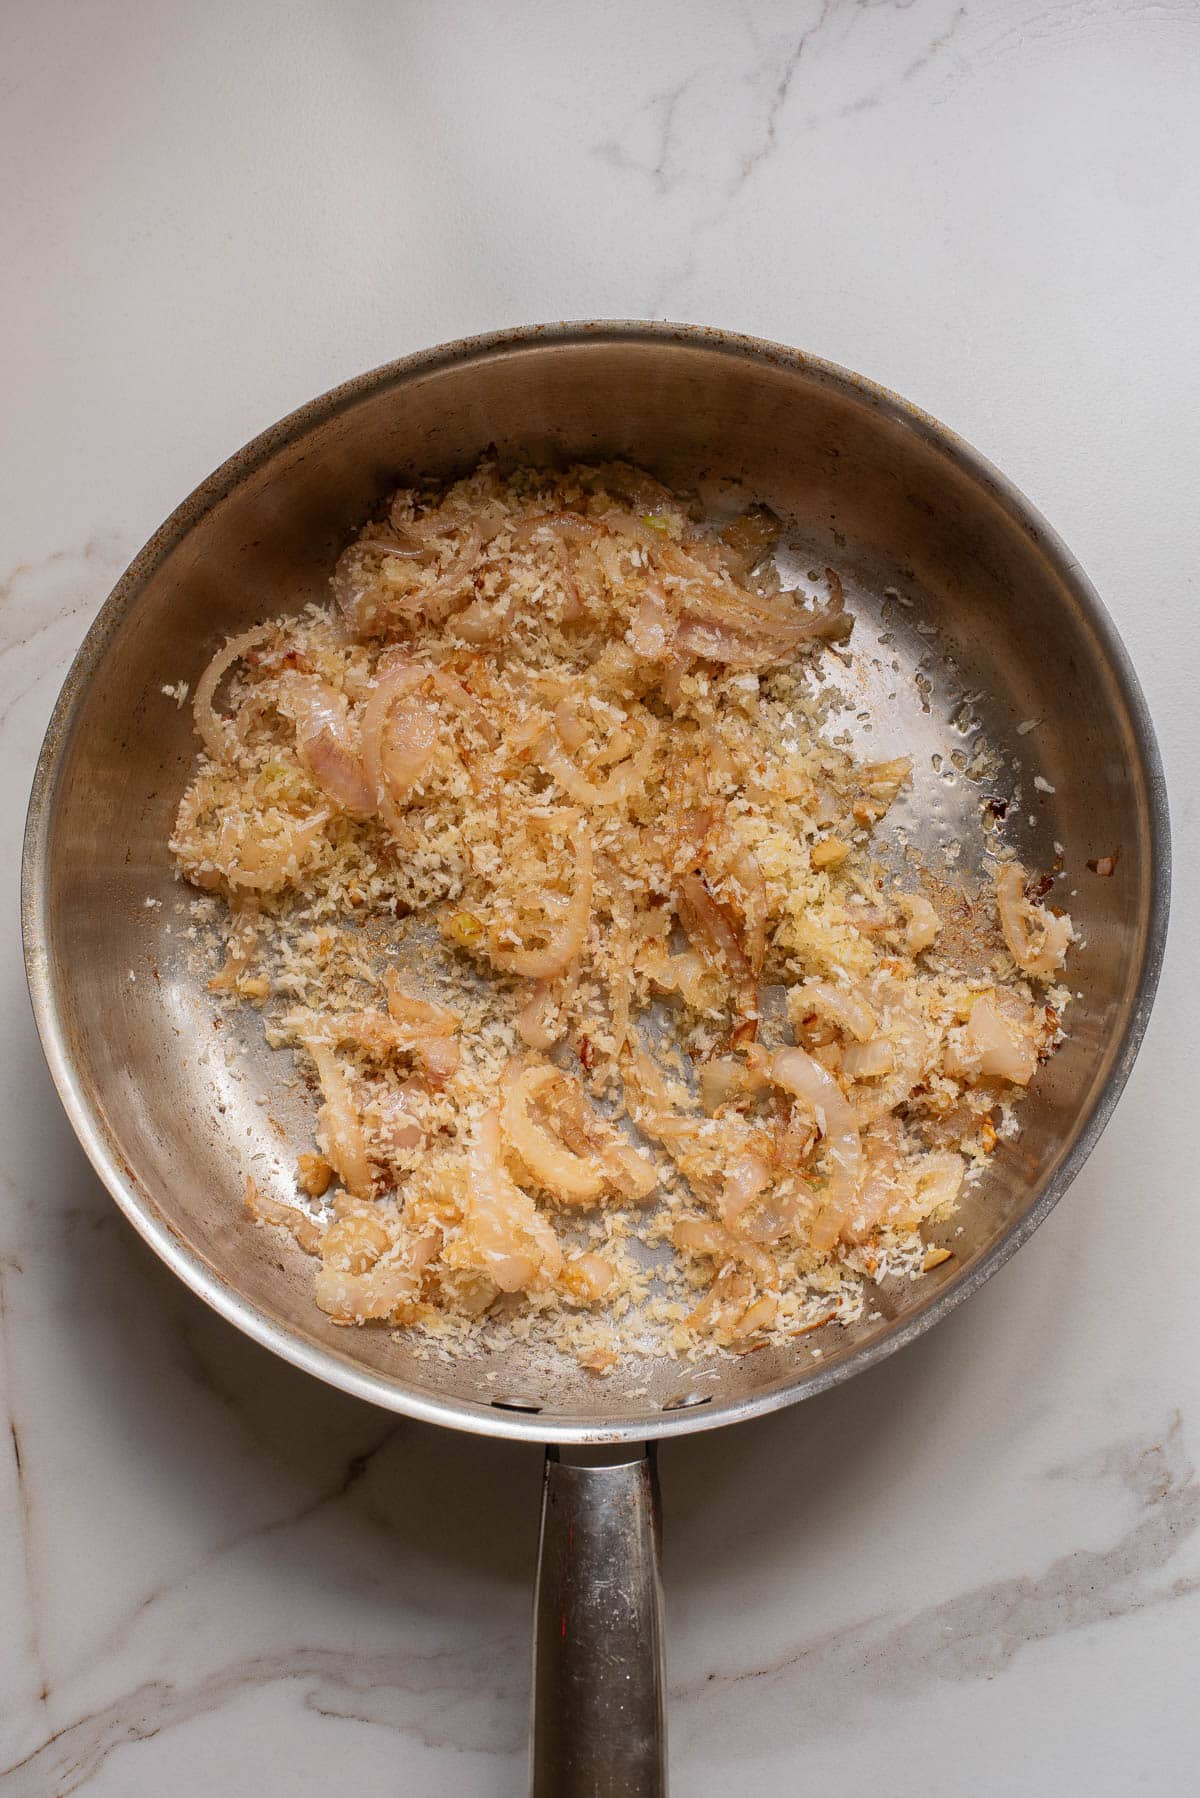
(341, 1370)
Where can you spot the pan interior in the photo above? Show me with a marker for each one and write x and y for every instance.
(971, 623)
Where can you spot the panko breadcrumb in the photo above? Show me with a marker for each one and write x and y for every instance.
(532, 848)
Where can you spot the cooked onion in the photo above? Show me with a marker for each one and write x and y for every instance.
(424, 1030)
(484, 620)
(741, 636)
(712, 933)
(621, 951)
(439, 1056)
(534, 1025)
(722, 621)
(761, 622)
(586, 1155)
(878, 1186)
(651, 1104)
(721, 1079)
(396, 752)
(551, 524)
(869, 1061)
(720, 643)
(938, 1181)
(338, 1122)
(725, 1304)
(382, 1034)
(240, 946)
(844, 1005)
(997, 1042)
(338, 773)
(898, 1195)
(422, 1015)
(455, 694)
(650, 631)
(633, 1176)
(214, 731)
(587, 1134)
(923, 922)
(674, 666)
(910, 1045)
(796, 1072)
(404, 544)
(353, 581)
(326, 742)
(588, 1276)
(266, 864)
(384, 1291)
(625, 779)
(749, 877)
(689, 974)
(439, 599)
(1037, 940)
(568, 1176)
(573, 734)
(267, 1210)
(748, 539)
(745, 1178)
(700, 1237)
(565, 938)
(513, 1241)
(409, 740)
(401, 1130)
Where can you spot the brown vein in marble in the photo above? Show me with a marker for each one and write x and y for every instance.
(8, 1267)
(95, 564)
(779, 85)
(875, 96)
(101, 552)
(461, 1698)
(473, 1697)
(978, 1633)
(774, 74)
(660, 170)
(354, 1471)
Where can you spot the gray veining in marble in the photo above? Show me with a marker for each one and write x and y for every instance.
(974, 1569)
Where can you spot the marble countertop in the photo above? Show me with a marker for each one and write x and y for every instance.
(976, 1568)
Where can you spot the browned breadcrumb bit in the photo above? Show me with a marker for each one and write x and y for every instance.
(538, 852)
(313, 1174)
(260, 1206)
(831, 852)
(818, 1323)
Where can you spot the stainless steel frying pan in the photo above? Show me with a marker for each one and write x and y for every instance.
(973, 620)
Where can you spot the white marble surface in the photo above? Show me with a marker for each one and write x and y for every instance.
(976, 1569)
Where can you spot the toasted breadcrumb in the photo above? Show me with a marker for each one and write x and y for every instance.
(534, 848)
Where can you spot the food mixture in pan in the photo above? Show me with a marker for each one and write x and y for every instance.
(537, 851)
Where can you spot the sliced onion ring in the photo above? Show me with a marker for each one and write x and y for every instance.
(565, 939)
(1036, 939)
(797, 1073)
(215, 732)
(513, 1240)
(344, 1142)
(571, 1177)
(326, 742)
(626, 778)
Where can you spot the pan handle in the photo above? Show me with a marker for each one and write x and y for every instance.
(598, 1721)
